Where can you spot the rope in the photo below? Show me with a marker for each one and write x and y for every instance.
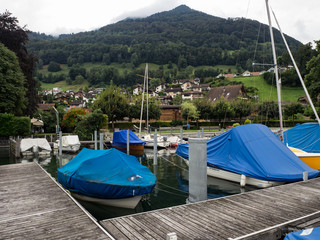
(174, 163)
(176, 189)
(180, 195)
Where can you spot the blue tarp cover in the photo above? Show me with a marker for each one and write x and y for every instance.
(253, 150)
(307, 234)
(305, 137)
(120, 139)
(106, 174)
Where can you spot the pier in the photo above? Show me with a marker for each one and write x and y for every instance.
(34, 206)
(261, 214)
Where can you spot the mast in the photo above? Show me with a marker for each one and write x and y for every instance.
(275, 70)
(297, 70)
(144, 87)
(147, 80)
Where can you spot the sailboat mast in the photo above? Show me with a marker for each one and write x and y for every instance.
(147, 80)
(297, 70)
(141, 112)
(275, 70)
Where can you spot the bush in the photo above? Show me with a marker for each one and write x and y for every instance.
(236, 124)
(14, 126)
(247, 121)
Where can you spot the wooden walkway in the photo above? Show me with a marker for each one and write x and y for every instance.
(33, 206)
(261, 214)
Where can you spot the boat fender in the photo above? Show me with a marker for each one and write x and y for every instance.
(133, 192)
(243, 180)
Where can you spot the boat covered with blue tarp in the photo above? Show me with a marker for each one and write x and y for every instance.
(107, 174)
(307, 234)
(254, 151)
(304, 136)
(120, 139)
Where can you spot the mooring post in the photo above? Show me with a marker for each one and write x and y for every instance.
(155, 148)
(198, 134)
(197, 169)
(60, 143)
(202, 135)
(181, 135)
(128, 142)
(95, 140)
(305, 176)
(101, 140)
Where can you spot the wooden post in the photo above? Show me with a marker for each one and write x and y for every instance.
(155, 148)
(197, 169)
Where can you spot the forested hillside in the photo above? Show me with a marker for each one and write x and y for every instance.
(182, 36)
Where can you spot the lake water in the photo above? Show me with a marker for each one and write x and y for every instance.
(171, 188)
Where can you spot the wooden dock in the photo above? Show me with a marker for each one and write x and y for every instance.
(33, 206)
(261, 214)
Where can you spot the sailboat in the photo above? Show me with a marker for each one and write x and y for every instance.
(303, 140)
(149, 138)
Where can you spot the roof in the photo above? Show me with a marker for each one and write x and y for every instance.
(229, 92)
(46, 107)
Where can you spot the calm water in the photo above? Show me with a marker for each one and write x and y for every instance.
(171, 189)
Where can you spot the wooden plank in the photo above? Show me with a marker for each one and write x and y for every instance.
(33, 206)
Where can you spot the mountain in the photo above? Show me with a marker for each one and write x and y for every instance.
(183, 36)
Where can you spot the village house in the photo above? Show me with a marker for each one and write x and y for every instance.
(46, 107)
(160, 88)
(137, 90)
(173, 92)
(229, 92)
(165, 100)
(190, 95)
(246, 74)
(186, 86)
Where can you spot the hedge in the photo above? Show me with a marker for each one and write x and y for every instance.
(14, 126)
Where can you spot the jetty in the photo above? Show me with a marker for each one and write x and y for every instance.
(262, 214)
(34, 206)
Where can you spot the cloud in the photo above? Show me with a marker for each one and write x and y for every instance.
(155, 7)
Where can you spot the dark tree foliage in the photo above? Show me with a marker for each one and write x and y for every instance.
(15, 38)
(182, 36)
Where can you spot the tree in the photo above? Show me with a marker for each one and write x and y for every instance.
(112, 103)
(268, 109)
(88, 124)
(312, 78)
(177, 100)
(72, 117)
(242, 108)
(291, 109)
(222, 109)
(54, 67)
(12, 83)
(15, 38)
(204, 107)
(189, 111)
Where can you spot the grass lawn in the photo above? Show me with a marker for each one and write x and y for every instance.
(64, 86)
(268, 92)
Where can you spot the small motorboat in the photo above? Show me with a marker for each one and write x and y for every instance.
(119, 141)
(108, 177)
(70, 143)
(32, 146)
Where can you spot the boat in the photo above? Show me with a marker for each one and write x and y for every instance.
(70, 143)
(161, 141)
(119, 141)
(310, 158)
(254, 153)
(305, 234)
(305, 137)
(108, 177)
(31, 146)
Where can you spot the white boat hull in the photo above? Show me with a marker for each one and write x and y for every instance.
(130, 202)
(235, 177)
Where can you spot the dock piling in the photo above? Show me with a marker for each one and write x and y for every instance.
(197, 170)
(155, 148)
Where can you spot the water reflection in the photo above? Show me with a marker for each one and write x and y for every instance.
(171, 188)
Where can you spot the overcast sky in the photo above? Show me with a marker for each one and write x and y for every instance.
(297, 18)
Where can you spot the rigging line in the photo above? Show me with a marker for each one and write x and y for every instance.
(177, 194)
(255, 50)
(174, 163)
(244, 24)
(176, 189)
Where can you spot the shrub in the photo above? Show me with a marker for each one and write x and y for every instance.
(247, 121)
(14, 126)
(236, 124)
